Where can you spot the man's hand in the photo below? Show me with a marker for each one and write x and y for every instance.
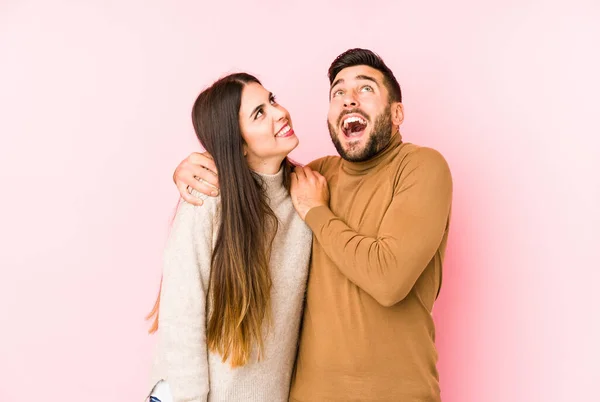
(309, 189)
(198, 172)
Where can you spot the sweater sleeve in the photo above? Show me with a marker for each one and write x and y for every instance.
(387, 266)
(181, 330)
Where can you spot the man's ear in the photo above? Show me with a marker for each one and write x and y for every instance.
(397, 113)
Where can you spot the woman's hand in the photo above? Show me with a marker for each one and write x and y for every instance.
(309, 190)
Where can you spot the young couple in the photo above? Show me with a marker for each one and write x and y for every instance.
(307, 283)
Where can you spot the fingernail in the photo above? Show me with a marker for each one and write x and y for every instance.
(200, 202)
(214, 193)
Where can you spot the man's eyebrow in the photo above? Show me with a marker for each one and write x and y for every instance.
(366, 77)
(338, 81)
(256, 109)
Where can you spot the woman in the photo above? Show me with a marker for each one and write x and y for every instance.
(235, 269)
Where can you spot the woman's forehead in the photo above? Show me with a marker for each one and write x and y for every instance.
(253, 95)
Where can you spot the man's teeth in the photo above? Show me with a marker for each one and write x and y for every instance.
(283, 131)
(354, 119)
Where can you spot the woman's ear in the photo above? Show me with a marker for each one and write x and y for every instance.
(397, 113)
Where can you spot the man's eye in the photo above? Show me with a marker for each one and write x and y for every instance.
(367, 88)
(339, 92)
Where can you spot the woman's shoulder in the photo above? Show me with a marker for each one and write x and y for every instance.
(210, 206)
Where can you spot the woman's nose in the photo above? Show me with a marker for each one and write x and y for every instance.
(279, 114)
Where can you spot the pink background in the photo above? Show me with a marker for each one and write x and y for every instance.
(95, 98)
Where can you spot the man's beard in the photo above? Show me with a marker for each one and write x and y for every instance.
(382, 133)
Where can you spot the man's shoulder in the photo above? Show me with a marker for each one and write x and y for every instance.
(419, 162)
(325, 164)
(419, 155)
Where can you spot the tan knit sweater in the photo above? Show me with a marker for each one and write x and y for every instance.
(194, 374)
(376, 270)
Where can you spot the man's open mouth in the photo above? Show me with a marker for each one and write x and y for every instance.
(354, 126)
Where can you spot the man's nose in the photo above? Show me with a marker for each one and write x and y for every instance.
(350, 100)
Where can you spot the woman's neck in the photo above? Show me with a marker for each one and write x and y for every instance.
(266, 166)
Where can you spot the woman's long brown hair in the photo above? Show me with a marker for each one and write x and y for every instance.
(240, 281)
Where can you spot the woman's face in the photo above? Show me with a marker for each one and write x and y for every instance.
(266, 128)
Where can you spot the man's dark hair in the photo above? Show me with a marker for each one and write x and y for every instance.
(364, 57)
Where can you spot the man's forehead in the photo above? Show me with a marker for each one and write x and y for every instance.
(358, 73)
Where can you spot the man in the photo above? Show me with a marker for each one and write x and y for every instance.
(380, 224)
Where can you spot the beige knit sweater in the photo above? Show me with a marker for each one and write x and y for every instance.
(182, 359)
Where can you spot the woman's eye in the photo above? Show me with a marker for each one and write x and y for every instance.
(273, 100)
(258, 114)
